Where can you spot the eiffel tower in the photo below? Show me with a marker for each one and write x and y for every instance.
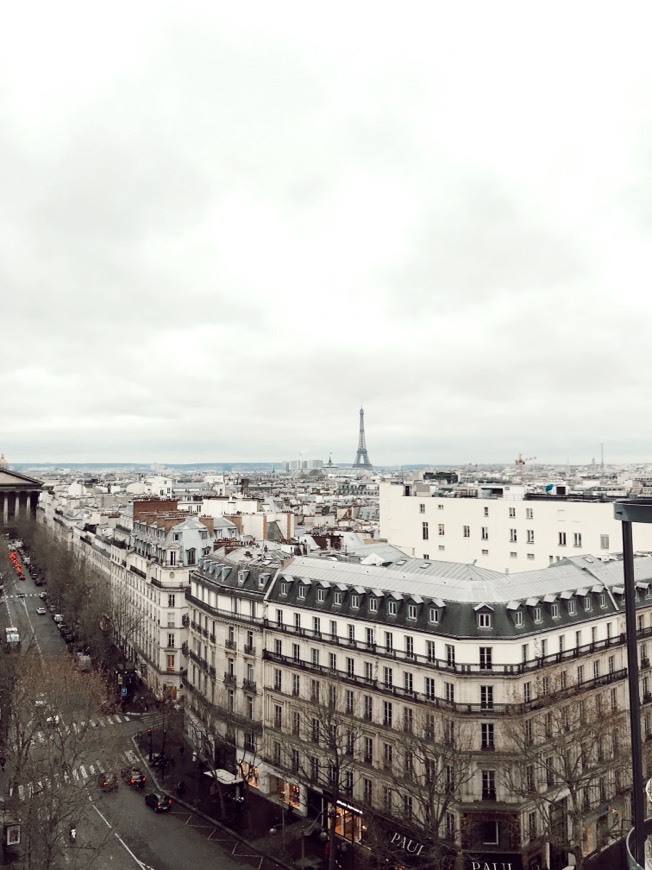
(362, 457)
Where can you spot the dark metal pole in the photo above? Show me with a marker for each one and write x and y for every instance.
(638, 802)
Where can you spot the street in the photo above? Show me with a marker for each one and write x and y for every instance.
(116, 829)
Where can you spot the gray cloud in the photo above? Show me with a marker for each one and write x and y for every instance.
(220, 232)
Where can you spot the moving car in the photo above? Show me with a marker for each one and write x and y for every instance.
(134, 776)
(107, 781)
(158, 801)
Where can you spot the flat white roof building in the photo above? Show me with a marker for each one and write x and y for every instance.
(504, 534)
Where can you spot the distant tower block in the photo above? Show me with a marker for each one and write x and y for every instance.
(362, 457)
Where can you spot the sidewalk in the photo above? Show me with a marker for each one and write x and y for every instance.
(261, 823)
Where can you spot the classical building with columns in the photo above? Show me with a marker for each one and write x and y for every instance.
(19, 494)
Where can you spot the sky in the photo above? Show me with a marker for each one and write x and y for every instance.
(225, 226)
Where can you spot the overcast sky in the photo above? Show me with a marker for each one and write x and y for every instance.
(225, 225)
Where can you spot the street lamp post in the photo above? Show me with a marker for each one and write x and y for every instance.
(639, 511)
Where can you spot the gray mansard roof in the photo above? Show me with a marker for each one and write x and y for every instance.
(447, 597)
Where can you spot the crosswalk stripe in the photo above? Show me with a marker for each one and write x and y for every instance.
(78, 774)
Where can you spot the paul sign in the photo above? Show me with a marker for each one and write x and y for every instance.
(491, 865)
(412, 847)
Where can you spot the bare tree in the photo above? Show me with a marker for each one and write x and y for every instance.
(426, 775)
(327, 759)
(49, 735)
(102, 617)
(570, 757)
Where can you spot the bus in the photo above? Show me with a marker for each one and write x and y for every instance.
(12, 639)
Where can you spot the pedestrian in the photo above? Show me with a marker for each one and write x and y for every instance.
(3, 761)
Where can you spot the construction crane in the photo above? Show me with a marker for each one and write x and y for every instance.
(520, 464)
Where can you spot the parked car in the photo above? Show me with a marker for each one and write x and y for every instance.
(41, 611)
(159, 760)
(158, 801)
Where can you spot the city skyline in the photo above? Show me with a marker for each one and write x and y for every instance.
(222, 227)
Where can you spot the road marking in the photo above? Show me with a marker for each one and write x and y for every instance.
(82, 771)
(142, 865)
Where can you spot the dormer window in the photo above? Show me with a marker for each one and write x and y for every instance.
(433, 615)
(391, 608)
(518, 618)
(373, 605)
(337, 598)
(355, 602)
(484, 620)
(554, 611)
(301, 593)
(484, 615)
(284, 588)
(572, 607)
(412, 611)
(537, 614)
(588, 604)
(321, 595)
(603, 599)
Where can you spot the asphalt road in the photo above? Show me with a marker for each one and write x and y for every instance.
(118, 826)
(21, 601)
(138, 837)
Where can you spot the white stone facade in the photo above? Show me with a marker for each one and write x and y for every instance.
(509, 535)
(402, 649)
